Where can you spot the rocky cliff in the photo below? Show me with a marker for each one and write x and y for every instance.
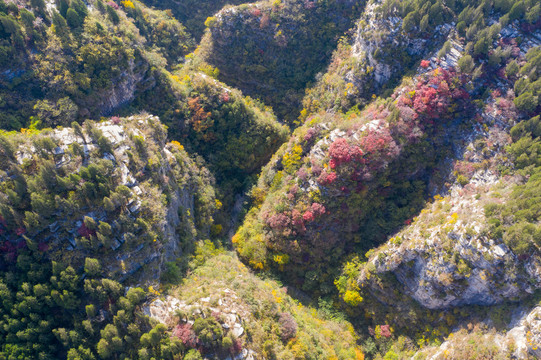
(113, 189)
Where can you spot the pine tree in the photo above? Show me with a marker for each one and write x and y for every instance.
(73, 19)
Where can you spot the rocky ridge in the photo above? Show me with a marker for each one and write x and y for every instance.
(174, 176)
(446, 257)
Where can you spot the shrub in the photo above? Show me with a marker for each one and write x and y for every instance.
(288, 326)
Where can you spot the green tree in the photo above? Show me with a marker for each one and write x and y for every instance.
(62, 6)
(193, 355)
(92, 267)
(424, 23)
(511, 70)
(54, 114)
(60, 24)
(526, 102)
(113, 15)
(466, 64)
(73, 19)
(408, 24)
(80, 7)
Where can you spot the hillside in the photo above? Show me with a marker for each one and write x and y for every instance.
(289, 179)
(273, 50)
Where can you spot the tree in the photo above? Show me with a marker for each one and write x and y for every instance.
(62, 6)
(408, 24)
(288, 326)
(511, 70)
(209, 331)
(73, 19)
(532, 16)
(60, 24)
(113, 15)
(38, 5)
(424, 23)
(517, 11)
(54, 114)
(193, 355)
(526, 102)
(466, 64)
(104, 349)
(80, 7)
(136, 296)
(28, 20)
(42, 204)
(481, 47)
(92, 267)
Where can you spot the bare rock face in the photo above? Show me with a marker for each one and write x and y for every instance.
(123, 89)
(522, 340)
(231, 313)
(527, 335)
(445, 259)
(374, 38)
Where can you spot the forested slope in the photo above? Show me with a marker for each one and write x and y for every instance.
(382, 158)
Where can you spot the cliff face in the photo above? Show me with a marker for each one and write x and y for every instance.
(449, 255)
(124, 87)
(371, 59)
(117, 191)
(446, 257)
(520, 340)
(385, 49)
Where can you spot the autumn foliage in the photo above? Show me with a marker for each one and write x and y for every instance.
(359, 182)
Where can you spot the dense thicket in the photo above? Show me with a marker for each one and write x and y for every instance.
(272, 51)
(193, 13)
(78, 63)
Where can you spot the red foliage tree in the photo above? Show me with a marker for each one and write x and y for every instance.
(342, 152)
(279, 221)
(185, 333)
(85, 231)
(308, 216)
(318, 209)
(288, 326)
(385, 330)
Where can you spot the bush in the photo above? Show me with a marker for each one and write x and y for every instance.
(288, 326)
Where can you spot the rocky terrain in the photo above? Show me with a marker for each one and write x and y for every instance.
(286, 179)
(165, 196)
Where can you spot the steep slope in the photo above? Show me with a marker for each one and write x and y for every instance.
(113, 190)
(118, 58)
(193, 13)
(345, 182)
(411, 211)
(520, 341)
(234, 134)
(250, 318)
(54, 71)
(392, 37)
(272, 50)
(477, 245)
